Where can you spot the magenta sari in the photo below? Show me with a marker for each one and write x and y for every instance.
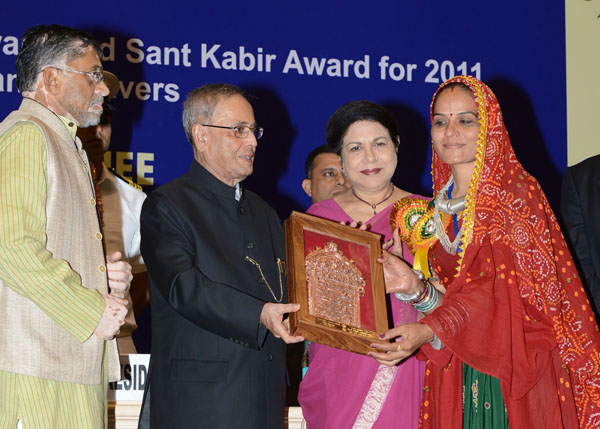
(347, 390)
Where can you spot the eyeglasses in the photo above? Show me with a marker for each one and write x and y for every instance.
(241, 131)
(96, 76)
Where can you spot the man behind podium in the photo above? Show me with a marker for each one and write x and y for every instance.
(57, 318)
(215, 255)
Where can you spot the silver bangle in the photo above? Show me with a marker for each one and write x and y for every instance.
(436, 343)
(429, 300)
(405, 297)
(419, 274)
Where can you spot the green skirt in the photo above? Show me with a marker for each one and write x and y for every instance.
(483, 405)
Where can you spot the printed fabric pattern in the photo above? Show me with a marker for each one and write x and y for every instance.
(515, 285)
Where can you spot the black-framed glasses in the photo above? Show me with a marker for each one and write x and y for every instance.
(96, 76)
(241, 131)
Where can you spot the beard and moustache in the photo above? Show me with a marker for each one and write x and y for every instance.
(86, 118)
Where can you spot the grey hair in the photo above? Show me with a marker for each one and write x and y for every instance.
(49, 45)
(200, 104)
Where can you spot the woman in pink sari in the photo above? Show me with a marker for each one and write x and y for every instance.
(343, 389)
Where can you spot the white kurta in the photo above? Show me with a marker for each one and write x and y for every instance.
(121, 207)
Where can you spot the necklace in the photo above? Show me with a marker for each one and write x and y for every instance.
(281, 269)
(374, 205)
(451, 207)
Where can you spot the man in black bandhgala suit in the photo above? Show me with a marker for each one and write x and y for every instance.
(215, 255)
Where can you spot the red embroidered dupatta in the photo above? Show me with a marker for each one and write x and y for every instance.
(515, 308)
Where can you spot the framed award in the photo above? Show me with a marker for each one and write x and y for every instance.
(333, 273)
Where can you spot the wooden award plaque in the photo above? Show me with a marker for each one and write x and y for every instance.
(333, 273)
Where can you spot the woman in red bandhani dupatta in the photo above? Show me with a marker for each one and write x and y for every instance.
(508, 333)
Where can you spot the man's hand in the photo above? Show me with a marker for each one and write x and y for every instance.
(271, 317)
(119, 275)
(112, 319)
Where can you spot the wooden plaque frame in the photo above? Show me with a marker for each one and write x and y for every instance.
(320, 330)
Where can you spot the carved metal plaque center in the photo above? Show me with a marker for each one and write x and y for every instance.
(335, 285)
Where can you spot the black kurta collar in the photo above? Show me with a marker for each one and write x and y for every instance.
(204, 179)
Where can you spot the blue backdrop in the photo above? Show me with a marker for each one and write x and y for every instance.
(301, 61)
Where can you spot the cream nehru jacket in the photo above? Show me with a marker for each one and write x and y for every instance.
(32, 343)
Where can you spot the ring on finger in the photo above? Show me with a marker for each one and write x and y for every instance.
(399, 348)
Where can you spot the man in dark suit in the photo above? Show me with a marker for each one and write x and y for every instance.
(580, 211)
(215, 255)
